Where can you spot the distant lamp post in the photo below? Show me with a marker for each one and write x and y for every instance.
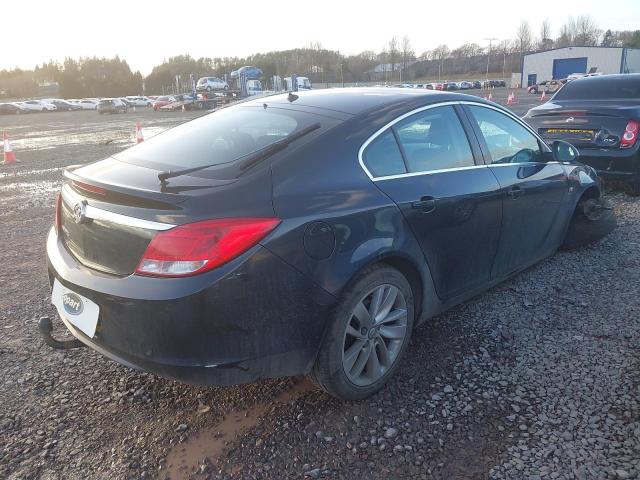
(489, 56)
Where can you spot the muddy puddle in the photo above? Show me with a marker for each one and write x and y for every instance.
(211, 442)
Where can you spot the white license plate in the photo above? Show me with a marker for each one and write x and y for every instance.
(76, 309)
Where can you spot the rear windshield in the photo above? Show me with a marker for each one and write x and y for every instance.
(601, 88)
(222, 137)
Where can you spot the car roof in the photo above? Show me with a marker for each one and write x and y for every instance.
(360, 99)
(606, 78)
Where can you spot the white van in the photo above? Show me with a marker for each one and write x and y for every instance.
(303, 83)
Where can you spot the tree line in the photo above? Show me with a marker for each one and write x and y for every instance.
(396, 61)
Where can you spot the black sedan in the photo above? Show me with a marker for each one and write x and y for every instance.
(307, 233)
(600, 115)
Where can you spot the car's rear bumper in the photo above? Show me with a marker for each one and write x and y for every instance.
(255, 317)
(613, 165)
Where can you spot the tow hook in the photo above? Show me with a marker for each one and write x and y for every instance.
(46, 327)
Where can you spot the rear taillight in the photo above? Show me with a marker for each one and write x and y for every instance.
(630, 134)
(198, 247)
(88, 188)
(58, 217)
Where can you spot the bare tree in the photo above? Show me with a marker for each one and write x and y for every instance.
(440, 53)
(546, 42)
(383, 57)
(567, 36)
(393, 54)
(524, 37)
(587, 31)
(426, 55)
(407, 52)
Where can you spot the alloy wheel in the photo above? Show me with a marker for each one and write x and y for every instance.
(374, 335)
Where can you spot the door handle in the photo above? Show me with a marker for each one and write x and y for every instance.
(515, 192)
(426, 204)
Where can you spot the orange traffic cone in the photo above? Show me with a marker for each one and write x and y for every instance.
(9, 156)
(139, 135)
(543, 96)
(490, 97)
(509, 99)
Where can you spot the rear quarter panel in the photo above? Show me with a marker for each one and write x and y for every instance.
(324, 182)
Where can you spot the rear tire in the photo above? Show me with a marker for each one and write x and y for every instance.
(585, 229)
(368, 335)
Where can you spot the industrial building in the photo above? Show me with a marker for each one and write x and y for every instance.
(559, 63)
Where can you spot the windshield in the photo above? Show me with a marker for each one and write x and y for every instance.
(220, 137)
(601, 88)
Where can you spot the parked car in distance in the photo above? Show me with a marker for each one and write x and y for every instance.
(548, 86)
(464, 85)
(87, 104)
(162, 101)
(62, 105)
(451, 86)
(111, 105)
(436, 86)
(600, 115)
(211, 83)
(12, 109)
(128, 103)
(477, 84)
(140, 101)
(178, 102)
(362, 208)
(37, 106)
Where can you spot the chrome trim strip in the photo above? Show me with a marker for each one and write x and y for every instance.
(117, 218)
(522, 164)
(428, 107)
(416, 174)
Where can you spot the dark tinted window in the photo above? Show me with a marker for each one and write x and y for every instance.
(382, 156)
(601, 88)
(434, 140)
(221, 137)
(506, 139)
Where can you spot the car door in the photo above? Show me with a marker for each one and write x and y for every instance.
(426, 164)
(535, 189)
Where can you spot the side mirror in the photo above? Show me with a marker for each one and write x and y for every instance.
(564, 151)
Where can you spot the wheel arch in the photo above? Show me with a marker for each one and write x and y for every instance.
(426, 301)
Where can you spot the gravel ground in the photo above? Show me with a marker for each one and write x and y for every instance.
(537, 378)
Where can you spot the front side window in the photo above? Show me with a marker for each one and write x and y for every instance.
(434, 140)
(506, 139)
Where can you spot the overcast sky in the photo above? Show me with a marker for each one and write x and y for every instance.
(143, 32)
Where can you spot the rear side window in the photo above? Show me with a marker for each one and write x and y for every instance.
(434, 140)
(601, 88)
(382, 157)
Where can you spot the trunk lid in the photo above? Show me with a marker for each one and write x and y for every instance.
(110, 210)
(596, 124)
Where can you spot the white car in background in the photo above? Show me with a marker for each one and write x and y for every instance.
(464, 85)
(139, 101)
(38, 106)
(87, 104)
(211, 83)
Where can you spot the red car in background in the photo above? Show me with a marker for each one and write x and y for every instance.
(162, 101)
